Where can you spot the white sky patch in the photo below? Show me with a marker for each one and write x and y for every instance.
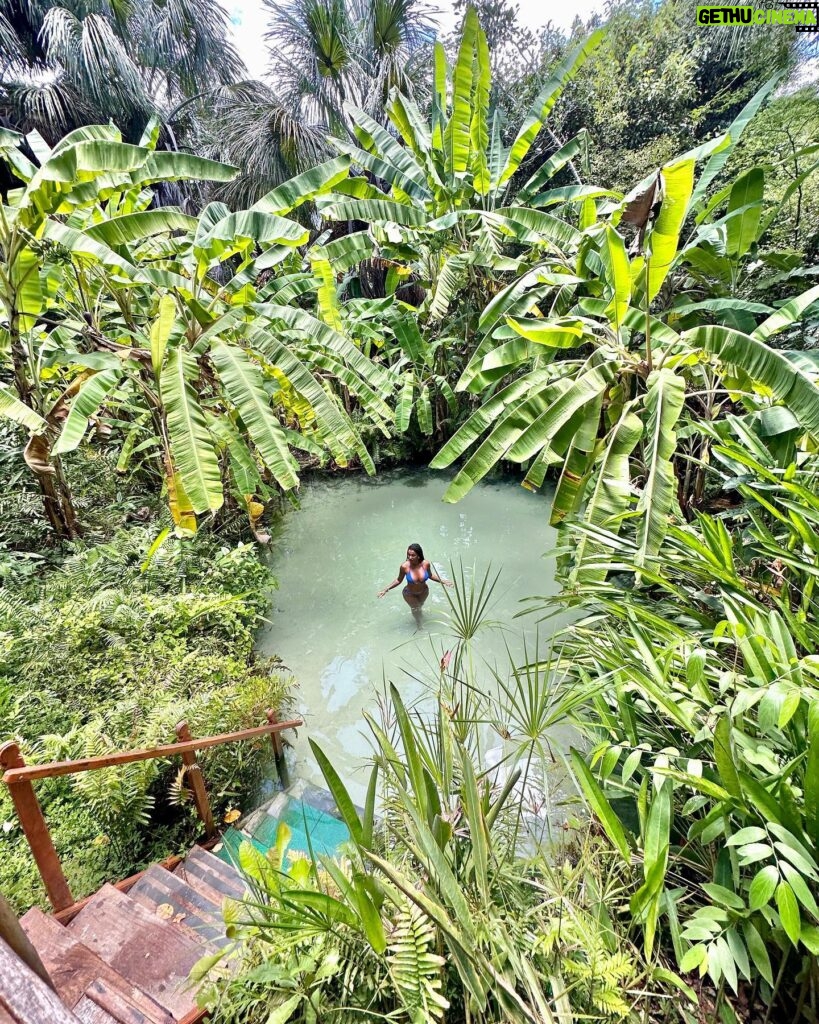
(249, 19)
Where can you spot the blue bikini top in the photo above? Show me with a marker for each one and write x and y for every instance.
(426, 575)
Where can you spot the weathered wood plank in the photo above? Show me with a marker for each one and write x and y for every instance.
(201, 886)
(199, 864)
(192, 911)
(90, 1012)
(74, 968)
(12, 933)
(24, 998)
(112, 1003)
(194, 1017)
(124, 885)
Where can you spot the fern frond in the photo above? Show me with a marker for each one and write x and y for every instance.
(178, 793)
(415, 970)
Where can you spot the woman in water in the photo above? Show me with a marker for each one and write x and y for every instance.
(416, 570)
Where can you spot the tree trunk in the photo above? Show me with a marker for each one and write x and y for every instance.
(53, 507)
(58, 503)
(67, 510)
(57, 500)
(18, 358)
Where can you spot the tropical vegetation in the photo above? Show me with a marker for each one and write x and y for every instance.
(701, 723)
(490, 934)
(65, 65)
(453, 254)
(107, 651)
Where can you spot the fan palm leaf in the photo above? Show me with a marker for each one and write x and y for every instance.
(66, 63)
(324, 55)
(270, 142)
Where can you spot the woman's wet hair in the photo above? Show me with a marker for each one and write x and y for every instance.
(417, 549)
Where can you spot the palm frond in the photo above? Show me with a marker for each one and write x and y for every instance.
(269, 141)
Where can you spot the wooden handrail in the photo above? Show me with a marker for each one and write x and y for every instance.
(30, 772)
(19, 776)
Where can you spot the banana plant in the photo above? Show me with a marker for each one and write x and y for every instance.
(219, 381)
(215, 381)
(442, 197)
(585, 377)
(40, 244)
(723, 270)
(423, 391)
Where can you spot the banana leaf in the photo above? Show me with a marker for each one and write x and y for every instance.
(191, 443)
(664, 402)
(85, 403)
(304, 187)
(244, 385)
(788, 384)
(545, 100)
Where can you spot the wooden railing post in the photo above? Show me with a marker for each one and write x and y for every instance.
(25, 998)
(11, 932)
(278, 749)
(193, 776)
(36, 831)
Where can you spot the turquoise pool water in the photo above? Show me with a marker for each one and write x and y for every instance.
(343, 644)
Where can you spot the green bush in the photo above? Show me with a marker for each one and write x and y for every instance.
(109, 652)
(702, 717)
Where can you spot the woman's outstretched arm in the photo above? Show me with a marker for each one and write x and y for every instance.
(433, 575)
(395, 583)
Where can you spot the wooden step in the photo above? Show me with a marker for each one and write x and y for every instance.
(90, 1012)
(101, 1003)
(199, 865)
(199, 885)
(197, 913)
(75, 969)
(153, 955)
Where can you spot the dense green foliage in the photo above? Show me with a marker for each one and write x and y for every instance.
(436, 914)
(658, 84)
(108, 651)
(661, 83)
(779, 138)
(701, 719)
(64, 65)
(441, 274)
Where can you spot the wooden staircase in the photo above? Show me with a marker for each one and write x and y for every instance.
(125, 956)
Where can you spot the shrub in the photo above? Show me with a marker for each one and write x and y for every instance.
(109, 652)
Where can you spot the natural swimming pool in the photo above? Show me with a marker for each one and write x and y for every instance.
(342, 643)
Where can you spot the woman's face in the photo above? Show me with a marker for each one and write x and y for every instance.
(413, 557)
